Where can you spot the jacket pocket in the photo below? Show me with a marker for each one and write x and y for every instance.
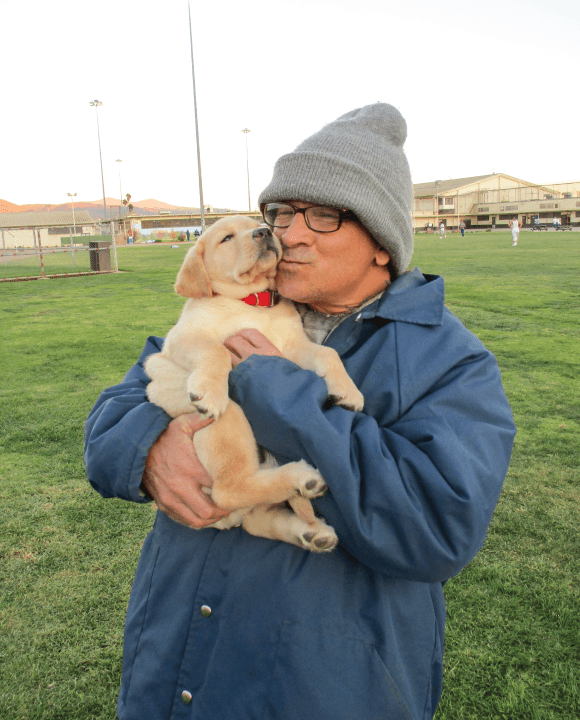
(137, 609)
(319, 675)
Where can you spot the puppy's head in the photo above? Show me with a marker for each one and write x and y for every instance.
(234, 257)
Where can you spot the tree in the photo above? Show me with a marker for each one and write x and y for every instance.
(127, 203)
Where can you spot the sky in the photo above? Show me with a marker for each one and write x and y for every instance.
(484, 87)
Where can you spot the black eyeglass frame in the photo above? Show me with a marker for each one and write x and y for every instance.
(343, 214)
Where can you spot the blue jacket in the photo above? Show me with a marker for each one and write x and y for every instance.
(356, 634)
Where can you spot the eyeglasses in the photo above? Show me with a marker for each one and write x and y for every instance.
(317, 217)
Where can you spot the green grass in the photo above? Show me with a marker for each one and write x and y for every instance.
(68, 556)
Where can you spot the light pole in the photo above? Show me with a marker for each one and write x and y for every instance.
(201, 208)
(71, 196)
(120, 189)
(96, 104)
(246, 131)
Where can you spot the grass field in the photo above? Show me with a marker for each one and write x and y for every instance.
(68, 556)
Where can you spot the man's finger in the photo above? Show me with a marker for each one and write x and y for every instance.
(192, 422)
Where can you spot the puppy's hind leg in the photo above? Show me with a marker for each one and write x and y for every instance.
(272, 485)
(227, 449)
(280, 523)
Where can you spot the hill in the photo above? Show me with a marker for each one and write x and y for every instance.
(150, 204)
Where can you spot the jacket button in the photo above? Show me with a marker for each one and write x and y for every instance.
(186, 696)
(205, 610)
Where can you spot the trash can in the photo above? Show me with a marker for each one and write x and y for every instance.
(100, 253)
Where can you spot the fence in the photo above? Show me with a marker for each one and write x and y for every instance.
(87, 255)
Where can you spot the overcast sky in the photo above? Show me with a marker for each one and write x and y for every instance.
(484, 87)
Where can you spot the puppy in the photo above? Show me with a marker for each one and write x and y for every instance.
(233, 261)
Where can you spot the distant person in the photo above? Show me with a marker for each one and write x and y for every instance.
(462, 228)
(187, 233)
(442, 230)
(555, 223)
(196, 233)
(515, 228)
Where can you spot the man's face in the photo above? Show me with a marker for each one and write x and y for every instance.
(329, 270)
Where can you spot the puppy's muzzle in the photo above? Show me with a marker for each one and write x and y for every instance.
(263, 236)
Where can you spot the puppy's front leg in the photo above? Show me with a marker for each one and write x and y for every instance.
(168, 386)
(209, 364)
(326, 363)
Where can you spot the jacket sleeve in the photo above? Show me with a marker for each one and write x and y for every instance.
(120, 430)
(411, 499)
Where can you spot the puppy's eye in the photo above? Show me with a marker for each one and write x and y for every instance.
(227, 237)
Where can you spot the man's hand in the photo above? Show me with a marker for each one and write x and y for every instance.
(174, 476)
(249, 342)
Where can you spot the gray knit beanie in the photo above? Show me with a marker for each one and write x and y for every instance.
(357, 163)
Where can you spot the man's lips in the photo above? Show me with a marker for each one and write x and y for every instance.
(293, 261)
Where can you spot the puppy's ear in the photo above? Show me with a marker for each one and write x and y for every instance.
(192, 279)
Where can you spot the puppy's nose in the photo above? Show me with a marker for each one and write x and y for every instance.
(264, 237)
(262, 233)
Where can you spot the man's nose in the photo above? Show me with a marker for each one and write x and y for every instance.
(297, 233)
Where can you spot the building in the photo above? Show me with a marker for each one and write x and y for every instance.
(491, 201)
(25, 229)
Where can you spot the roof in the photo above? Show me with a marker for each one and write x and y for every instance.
(429, 189)
(44, 219)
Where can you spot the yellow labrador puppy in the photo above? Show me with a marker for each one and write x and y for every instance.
(228, 272)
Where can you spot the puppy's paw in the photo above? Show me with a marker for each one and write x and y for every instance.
(347, 395)
(319, 538)
(209, 400)
(310, 482)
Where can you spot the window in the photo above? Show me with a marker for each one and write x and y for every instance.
(483, 218)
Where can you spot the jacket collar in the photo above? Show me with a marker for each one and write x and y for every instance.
(412, 298)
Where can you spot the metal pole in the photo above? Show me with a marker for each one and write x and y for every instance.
(72, 249)
(71, 196)
(40, 252)
(246, 131)
(121, 191)
(96, 104)
(201, 208)
(114, 245)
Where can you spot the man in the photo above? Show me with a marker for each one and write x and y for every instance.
(462, 228)
(227, 626)
(515, 227)
(442, 230)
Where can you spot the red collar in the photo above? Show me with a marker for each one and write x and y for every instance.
(267, 298)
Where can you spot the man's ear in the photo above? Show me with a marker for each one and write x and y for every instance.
(382, 257)
(192, 278)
